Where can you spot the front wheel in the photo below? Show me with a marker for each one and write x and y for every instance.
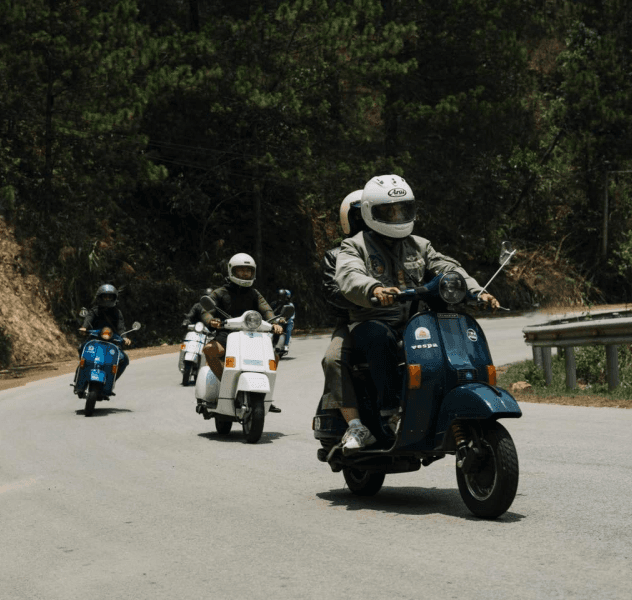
(186, 373)
(253, 422)
(91, 399)
(490, 487)
(363, 483)
(223, 425)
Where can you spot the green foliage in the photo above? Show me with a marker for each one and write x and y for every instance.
(590, 369)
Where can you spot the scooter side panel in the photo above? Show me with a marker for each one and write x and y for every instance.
(475, 401)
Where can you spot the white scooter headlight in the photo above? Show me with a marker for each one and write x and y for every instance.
(452, 288)
(199, 327)
(252, 319)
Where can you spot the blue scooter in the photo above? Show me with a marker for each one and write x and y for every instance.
(449, 404)
(96, 375)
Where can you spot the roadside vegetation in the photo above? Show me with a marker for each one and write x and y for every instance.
(591, 379)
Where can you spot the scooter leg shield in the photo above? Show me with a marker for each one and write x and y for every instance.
(475, 401)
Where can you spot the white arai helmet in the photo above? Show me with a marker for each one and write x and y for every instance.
(388, 206)
(241, 260)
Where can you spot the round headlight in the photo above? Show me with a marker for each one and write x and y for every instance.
(252, 319)
(106, 333)
(199, 327)
(452, 288)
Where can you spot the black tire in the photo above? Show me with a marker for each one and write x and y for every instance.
(223, 425)
(489, 491)
(363, 483)
(91, 399)
(186, 373)
(253, 423)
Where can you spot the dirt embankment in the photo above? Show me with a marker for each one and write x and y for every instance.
(24, 312)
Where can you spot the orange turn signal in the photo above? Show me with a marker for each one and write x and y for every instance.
(491, 374)
(114, 369)
(272, 364)
(82, 362)
(183, 346)
(230, 362)
(414, 377)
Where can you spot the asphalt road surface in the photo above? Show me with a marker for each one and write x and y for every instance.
(145, 501)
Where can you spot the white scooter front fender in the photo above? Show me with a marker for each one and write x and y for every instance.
(254, 382)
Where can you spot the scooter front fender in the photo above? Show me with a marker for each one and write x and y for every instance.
(475, 401)
(254, 382)
(97, 375)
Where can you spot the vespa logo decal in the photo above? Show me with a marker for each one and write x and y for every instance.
(421, 333)
(471, 335)
(397, 192)
(424, 346)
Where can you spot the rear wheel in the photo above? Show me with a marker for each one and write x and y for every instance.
(223, 425)
(253, 422)
(91, 399)
(186, 373)
(489, 489)
(363, 483)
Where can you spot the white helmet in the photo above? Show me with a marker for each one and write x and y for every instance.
(388, 206)
(347, 220)
(241, 260)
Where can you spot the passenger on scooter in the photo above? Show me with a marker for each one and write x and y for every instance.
(234, 298)
(283, 299)
(106, 314)
(195, 314)
(378, 263)
(339, 391)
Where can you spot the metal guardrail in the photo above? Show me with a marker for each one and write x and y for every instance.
(606, 328)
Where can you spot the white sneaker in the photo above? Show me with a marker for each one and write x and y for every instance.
(394, 422)
(356, 438)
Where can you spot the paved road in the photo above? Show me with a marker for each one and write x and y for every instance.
(145, 501)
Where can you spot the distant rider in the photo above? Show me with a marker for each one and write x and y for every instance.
(234, 298)
(283, 299)
(379, 263)
(106, 314)
(195, 314)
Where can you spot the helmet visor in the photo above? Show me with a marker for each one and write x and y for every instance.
(394, 213)
(244, 272)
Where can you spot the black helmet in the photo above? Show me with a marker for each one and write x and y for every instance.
(285, 294)
(107, 295)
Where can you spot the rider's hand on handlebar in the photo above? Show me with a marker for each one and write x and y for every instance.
(489, 299)
(83, 330)
(215, 323)
(277, 329)
(386, 296)
(127, 341)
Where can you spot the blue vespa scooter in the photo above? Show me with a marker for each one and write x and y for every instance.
(98, 366)
(449, 404)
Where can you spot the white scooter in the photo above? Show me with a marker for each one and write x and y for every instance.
(245, 391)
(191, 352)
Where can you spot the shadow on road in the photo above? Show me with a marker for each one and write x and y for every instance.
(103, 412)
(416, 501)
(236, 435)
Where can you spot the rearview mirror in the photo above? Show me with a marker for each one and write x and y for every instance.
(207, 303)
(83, 312)
(287, 312)
(506, 252)
(136, 325)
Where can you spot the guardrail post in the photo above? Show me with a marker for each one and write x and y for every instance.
(547, 365)
(571, 368)
(612, 366)
(537, 356)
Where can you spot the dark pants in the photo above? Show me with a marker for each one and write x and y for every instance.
(378, 342)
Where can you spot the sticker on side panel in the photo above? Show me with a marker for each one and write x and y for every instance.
(421, 333)
(471, 334)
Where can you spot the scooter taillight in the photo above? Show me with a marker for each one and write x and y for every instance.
(491, 374)
(414, 377)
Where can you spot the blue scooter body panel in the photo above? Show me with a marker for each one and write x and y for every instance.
(99, 357)
(453, 353)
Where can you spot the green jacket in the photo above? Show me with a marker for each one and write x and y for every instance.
(366, 262)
